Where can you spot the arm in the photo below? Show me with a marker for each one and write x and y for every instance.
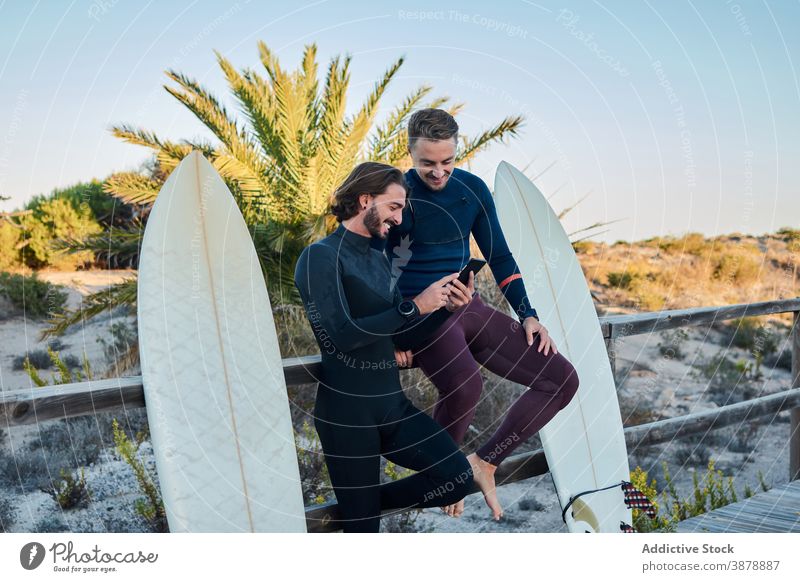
(318, 279)
(418, 329)
(490, 239)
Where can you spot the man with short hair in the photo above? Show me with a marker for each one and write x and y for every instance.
(446, 205)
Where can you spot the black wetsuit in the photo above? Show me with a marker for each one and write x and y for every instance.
(361, 411)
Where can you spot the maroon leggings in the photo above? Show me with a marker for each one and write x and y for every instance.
(477, 334)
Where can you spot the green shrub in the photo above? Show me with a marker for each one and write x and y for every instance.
(79, 439)
(10, 236)
(314, 478)
(69, 491)
(102, 205)
(67, 372)
(7, 514)
(729, 382)
(749, 334)
(622, 279)
(712, 491)
(642, 523)
(693, 243)
(671, 345)
(736, 267)
(36, 359)
(792, 238)
(32, 296)
(151, 506)
(789, 234)
(56, 219)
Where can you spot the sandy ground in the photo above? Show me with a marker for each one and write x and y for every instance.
(647, 381)
(19, 335)
(111, 481)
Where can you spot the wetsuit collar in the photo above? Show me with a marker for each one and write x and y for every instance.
(357, 241)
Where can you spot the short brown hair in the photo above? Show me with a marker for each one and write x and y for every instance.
(431, 124)
(366, 178)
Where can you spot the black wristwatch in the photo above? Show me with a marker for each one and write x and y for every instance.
(408, 308)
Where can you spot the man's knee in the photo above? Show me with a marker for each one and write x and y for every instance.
(569, 386)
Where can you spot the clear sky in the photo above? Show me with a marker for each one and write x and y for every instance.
(674, 116)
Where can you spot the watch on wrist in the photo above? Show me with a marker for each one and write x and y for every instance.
(408, 308)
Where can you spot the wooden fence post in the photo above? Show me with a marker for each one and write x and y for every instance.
(612, 358)
(608, 339)
(794, 434)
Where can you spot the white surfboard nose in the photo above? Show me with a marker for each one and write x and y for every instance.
(584, 443)
(211, 367)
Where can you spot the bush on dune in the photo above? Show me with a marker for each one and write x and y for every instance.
(32, 296)
(56, 219)
(10, 235)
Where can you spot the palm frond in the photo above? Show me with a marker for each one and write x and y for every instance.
(557, 190)
(506, 128)
(588, 236)
(123, 293)
(385, 133)
(310, 85)
(397, 152)
(120, 245)
(595, 225)
(268, 59)
(252, 181)
(543, 172)
(132, 188)
(168, 154)
(291, 119)
(257, 103)
(206, 107)
(453, 109)
(564, 211)
(331, 134)
(356, 131)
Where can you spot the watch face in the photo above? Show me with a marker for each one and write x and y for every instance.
(406, 308)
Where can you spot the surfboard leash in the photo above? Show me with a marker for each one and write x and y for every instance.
(634, 499)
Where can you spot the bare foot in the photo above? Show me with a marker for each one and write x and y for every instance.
(483, 474)
(454, 510)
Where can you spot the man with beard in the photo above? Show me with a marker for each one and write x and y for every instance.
(357, 316)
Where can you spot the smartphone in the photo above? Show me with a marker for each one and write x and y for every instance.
(473, 266)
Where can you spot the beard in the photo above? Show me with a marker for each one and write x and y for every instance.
(373, 222)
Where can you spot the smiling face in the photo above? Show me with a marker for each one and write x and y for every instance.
(434, 160)
(384, 210)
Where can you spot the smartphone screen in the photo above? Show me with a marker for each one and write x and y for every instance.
(474, 266)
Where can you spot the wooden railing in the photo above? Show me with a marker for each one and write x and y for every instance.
(38, 404)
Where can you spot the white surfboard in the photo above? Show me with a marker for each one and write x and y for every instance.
(584, 443)
(213, 380)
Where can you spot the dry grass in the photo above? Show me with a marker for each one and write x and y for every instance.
(691, 271)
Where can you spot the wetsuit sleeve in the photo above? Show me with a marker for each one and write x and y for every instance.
(418, 329)
(318, 279)
(492, 243)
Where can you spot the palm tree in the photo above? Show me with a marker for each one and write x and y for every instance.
(282, 160)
